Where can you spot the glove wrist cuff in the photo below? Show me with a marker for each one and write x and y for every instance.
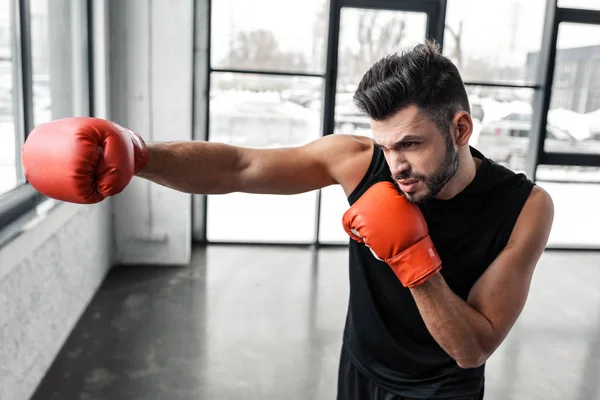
(417, 263)
(140, 151)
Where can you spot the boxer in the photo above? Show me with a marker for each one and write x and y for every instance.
(443, 241)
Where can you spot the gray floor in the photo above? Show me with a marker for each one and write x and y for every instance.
(265, 323)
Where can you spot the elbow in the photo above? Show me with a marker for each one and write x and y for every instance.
(475, 360)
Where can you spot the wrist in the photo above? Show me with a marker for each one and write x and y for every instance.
(432, 282)
(417, 263)
(149, 165)
(140, 151)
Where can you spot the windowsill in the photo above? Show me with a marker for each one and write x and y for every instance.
(28, 221)
(27, 232)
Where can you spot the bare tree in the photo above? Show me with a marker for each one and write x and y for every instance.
(457, 36)
(377, 36)
(260, 49)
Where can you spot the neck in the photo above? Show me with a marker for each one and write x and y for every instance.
(467, 169)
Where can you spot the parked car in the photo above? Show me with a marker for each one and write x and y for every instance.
(261, 120)
(506, 142)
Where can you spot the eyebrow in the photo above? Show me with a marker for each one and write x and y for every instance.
(399, 143)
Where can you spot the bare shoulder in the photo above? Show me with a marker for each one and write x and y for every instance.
(347, 158)
(534, 224)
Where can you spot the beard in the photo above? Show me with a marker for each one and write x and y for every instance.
(434, 182)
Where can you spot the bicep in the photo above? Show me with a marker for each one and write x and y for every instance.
(323, 162)
(501, 292)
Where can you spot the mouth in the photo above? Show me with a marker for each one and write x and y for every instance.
(407, 185)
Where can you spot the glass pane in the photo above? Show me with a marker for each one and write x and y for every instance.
(568, 174)
(334, 204)
(575, 105)
(369, 35)
(575, 192)
(53, 61)
(9, 140)
(495, 41)
(584, 4)
(263, 111)
(269, 35)
(365, 37)
(502, 121)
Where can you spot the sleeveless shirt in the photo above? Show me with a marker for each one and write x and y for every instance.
(384, 334)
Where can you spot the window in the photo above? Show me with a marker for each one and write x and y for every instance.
(501, 123)
(585, 4)
(10, 139)
(37, 54)
(498, 43)
(575, 191)
(245, 36)
(59, 71)
(272, 108)
(495, 41)
(365, 36)
(574, 108)
(263, 112)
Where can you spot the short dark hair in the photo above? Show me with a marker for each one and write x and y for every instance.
(421, 77)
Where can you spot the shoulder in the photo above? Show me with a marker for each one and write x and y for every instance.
(347, 158)
(532, 230)
(507, 190)
(352, 143)
(539, 208)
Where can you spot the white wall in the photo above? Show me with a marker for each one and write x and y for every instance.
(151, 69)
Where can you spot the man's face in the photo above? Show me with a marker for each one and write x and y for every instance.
(421, 158)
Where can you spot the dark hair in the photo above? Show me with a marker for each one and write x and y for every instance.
(421, 77)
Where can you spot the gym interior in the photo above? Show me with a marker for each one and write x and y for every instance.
(158, 294)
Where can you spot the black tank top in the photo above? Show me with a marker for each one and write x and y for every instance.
(385, 335)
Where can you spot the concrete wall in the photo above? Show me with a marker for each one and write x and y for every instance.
(50, 272)
(151, 70)
(143, 65)
(47, 277)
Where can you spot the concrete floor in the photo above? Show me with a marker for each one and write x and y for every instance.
(266, 323)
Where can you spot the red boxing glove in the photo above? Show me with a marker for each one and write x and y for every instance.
(395, 231)
(82, 159)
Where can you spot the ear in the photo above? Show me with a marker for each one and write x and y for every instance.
(463, 128)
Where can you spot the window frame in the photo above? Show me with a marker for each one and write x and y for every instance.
(23, 198)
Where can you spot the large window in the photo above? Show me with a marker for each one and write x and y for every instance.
(247, 35)
(59, 63)
(501, 123)
(43, 76)
(575, 102)
(492, 41)
(495, 47)
(10, 173)
(366, 35)
(582, 4)
(263, 112)
(575, 192)
(266, 91)
(269, 86)
(574, 115)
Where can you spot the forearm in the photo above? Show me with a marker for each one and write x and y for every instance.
(192, 166)
(458, 328)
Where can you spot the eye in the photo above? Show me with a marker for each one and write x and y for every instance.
(408, 145)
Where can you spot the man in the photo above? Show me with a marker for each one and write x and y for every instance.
(444, 241)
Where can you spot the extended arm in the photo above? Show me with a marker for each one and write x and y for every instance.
(85, 160)
(471, 331)
(217, 168)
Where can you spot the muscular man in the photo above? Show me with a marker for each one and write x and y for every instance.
(444, 241)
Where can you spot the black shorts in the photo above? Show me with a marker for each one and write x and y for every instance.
(354, 385)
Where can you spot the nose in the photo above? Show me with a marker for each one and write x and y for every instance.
(399, 166)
